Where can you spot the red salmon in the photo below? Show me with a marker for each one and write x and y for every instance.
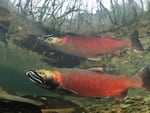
(85, 83)
(91, 47)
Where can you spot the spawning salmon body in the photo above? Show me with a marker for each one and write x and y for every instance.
(93, 84)
(82, 82)
(90, 47)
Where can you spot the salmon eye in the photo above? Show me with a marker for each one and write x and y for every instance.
(50, 39)
(41, 73)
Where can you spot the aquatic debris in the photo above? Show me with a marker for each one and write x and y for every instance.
(97, 69)
(56, 104)
(82, 82)
(7, 97)
(90, 47)
(63, 110)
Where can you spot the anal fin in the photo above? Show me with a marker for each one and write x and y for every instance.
(122, 94)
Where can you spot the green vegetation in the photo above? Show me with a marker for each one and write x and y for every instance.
(76, 16)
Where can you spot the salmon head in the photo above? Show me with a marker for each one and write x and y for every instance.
(50, 40)
(48, 79)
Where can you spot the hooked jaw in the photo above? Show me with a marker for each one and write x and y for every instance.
(39, 80)
(35, 78)
(43, 37)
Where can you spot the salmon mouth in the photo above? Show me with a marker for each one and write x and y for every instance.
(44, 37)
(37, 79)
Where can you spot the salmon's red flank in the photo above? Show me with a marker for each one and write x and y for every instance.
(85, 83)
(90, 47)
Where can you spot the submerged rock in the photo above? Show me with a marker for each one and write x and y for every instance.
(137, 104)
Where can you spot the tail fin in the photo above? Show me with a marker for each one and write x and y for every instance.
(145, 75)
(135, 42)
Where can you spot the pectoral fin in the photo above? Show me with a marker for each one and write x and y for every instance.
(64, 91)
